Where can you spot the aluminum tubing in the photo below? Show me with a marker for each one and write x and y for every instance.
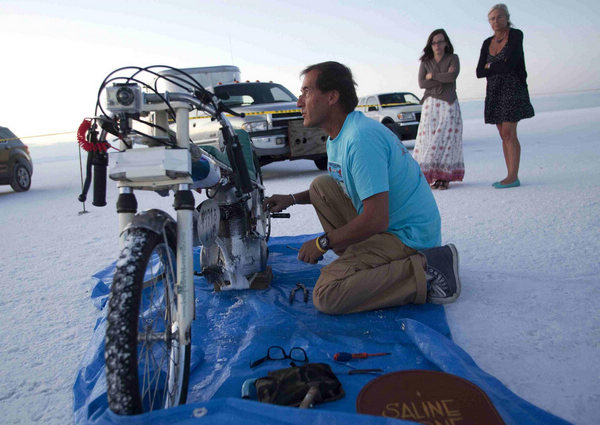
(183, 127)
(185, 241)
(185, 273)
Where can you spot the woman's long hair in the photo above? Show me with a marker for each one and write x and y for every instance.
(428, 51)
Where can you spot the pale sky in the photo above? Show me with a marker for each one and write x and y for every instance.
(56, 54)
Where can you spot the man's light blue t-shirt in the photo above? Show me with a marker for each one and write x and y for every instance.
(366, 158)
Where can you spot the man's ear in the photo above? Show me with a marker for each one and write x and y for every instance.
(333, 97)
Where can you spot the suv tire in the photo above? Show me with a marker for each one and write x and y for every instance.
(20, 179)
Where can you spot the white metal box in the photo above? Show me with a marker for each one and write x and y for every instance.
(149, 164)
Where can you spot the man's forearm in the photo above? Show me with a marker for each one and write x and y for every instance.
(374, 219)
(357, 230)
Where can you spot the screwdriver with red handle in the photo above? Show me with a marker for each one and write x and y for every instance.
(344, 357)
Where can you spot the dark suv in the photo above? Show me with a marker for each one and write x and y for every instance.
(16, 167)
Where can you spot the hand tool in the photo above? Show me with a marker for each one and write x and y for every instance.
(298, 287)
(312, 396)
(360, 371)
(344, 357)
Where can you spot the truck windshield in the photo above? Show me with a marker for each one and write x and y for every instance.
(390, 98)
(245, 94)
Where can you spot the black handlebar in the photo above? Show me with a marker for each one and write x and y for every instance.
(207, 97)
(95, 169)
(227, 109)
(97, 162)
(100, 163)
(280, 215)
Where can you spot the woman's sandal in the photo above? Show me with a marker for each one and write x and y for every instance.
(444, 184)
(436, 184)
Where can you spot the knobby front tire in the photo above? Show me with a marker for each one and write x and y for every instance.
(146, 366)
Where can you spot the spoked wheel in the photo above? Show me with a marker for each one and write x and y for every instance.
(146, 366)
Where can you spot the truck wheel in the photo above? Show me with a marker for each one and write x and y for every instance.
(395, 128)
(321, 163)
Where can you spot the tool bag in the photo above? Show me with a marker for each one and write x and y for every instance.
(289, 387)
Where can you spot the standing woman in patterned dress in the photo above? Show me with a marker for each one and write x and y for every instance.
(438, 148)
(507, 102)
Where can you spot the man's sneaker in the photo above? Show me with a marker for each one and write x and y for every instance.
(443, 283)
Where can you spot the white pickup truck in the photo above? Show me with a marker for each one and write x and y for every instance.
(399, 111)
(273, 121)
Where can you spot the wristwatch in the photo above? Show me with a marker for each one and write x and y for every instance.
(323, 243)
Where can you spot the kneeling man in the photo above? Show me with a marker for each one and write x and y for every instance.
(375, 206)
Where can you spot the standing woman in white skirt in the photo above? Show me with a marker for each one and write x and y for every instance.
(438, 148)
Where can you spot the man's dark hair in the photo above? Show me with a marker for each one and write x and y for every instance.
(335, 76)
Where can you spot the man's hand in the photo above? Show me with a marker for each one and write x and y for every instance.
(309, 253)
(278, 203)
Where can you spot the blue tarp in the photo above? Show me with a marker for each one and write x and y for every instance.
(233, 328)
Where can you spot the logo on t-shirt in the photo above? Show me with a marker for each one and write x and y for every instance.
(401, 146)
(335, 171)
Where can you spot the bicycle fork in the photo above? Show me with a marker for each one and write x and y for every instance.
(184, 205)
(157, 221)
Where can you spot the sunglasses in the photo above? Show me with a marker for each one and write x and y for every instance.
(275, 352)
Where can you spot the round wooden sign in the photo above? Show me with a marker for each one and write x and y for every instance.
(427, 397)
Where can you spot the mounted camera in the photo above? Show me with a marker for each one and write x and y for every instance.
(124, 98)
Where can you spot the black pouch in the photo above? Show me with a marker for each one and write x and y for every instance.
(290, 386)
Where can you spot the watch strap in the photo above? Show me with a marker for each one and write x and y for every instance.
(319, 245)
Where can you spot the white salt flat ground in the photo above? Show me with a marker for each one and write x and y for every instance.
(527, 314)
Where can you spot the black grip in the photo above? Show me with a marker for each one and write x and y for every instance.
(100, 165)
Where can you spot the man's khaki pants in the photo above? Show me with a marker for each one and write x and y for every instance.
(376, 273)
